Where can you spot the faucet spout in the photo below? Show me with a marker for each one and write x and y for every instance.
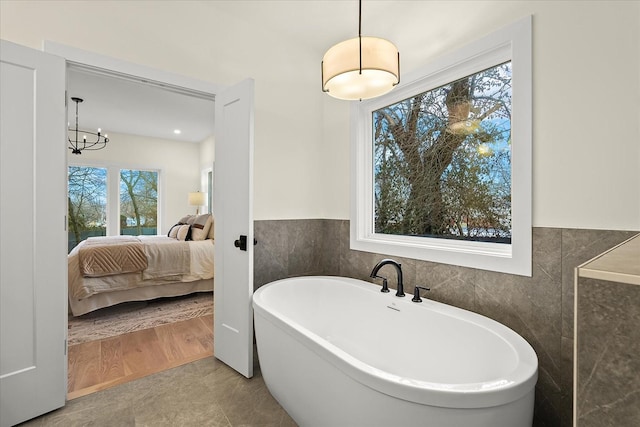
(398, 267)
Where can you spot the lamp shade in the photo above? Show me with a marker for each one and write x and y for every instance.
(197, 198)
(343, 77)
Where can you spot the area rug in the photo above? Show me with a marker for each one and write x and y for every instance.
(134, 316)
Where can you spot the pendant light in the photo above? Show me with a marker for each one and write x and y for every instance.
(360, 68)
(96, 141)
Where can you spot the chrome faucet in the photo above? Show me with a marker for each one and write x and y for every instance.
(374, 274)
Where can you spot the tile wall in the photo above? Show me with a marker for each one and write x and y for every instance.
(540, 308)
(608, 353)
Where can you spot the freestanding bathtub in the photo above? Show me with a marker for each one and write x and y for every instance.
(337, 352)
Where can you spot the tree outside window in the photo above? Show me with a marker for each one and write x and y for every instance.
(87, 200)
(89, 203)
(138, 202)
(442, 161)
(441, 165)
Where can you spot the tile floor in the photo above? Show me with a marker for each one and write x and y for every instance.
(202, 393)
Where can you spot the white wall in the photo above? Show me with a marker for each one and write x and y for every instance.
(586, 98)
(207, 41)
(587, 115)
(178, 163)
(586, 85)
(207, 153)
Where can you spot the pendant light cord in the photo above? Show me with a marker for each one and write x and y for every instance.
(360, 32)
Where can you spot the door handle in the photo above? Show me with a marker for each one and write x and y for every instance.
(241, 243)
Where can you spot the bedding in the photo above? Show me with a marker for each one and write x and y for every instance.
(168, 262)
(111, 255)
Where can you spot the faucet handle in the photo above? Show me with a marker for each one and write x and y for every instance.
(416, 293)
(385, 285)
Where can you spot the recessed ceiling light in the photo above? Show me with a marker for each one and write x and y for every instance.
(177, 131)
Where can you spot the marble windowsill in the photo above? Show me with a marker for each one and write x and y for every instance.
(619, 264)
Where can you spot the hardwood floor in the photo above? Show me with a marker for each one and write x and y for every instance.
(98, 365)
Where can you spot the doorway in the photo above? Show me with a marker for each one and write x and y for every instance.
(143, 109)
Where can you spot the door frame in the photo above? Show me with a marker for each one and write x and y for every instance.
(109, 66)
(128, 70)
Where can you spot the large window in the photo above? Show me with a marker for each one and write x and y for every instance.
(138, 202)
(87, 203)
(442, 161)
(95, 209)
(442, 164)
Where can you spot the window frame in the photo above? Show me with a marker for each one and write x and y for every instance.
(511, 43)
(106, 196)
(119, 178)
(113, 191)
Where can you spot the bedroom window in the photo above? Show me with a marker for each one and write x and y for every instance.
(442, 165)
(87, 200)
(138, 202)
(98, 196)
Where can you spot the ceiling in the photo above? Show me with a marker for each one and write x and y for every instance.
(118, 105)
(124, 106)
(418, 28)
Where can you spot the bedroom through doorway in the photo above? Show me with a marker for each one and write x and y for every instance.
(128, 333)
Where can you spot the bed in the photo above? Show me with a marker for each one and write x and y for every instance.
(104, 271)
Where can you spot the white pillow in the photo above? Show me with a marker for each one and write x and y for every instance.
(173, 231)
(200, 227)
(183, 232)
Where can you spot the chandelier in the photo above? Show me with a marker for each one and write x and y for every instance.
(95, 141)
(360, 68)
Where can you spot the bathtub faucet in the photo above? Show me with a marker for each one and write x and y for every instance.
(374, 274)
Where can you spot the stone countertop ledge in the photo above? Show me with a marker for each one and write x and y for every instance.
(619, 264)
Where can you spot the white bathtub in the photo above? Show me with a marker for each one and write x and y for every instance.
(337, 352)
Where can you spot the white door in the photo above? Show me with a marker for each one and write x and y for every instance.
(233, 211)
(33, 265)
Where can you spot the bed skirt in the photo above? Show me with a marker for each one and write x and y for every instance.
(107, 299)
